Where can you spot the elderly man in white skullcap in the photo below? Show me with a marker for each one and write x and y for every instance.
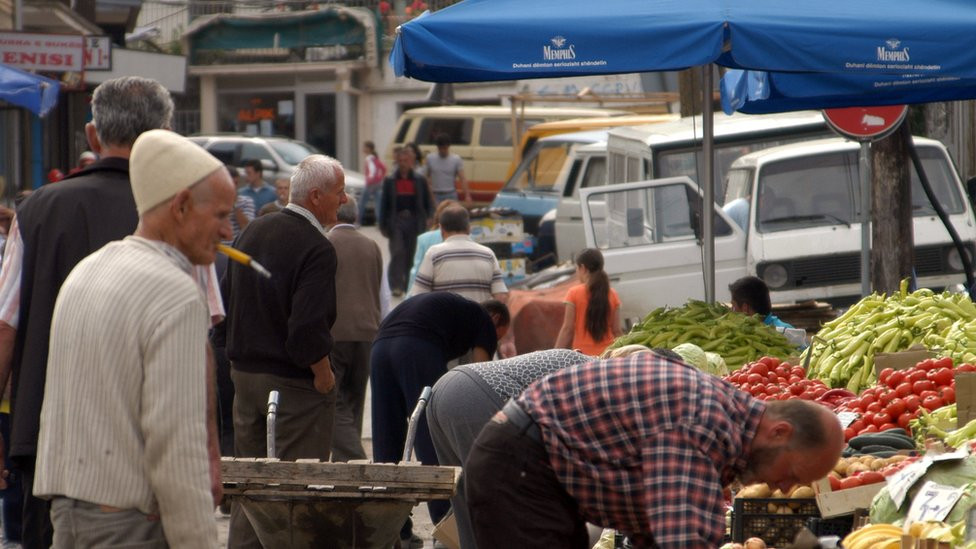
(122, 451)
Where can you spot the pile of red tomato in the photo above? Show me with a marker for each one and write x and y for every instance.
(771, 379)
(900, 394)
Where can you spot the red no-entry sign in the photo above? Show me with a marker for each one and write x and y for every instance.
(865, 123)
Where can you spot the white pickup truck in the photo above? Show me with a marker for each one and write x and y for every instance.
(802, 235)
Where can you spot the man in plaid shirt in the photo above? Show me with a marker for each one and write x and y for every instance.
(642, 444)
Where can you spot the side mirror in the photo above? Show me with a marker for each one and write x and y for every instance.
(971, 189)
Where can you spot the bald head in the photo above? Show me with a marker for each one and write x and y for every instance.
(797, 442)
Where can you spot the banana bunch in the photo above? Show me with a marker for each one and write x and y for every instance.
(938, 531)
(843, 355)
(874, 536)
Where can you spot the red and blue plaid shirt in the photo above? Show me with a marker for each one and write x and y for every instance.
(645, 445)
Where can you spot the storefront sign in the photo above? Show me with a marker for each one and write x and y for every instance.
(98, 53)
(43, 52)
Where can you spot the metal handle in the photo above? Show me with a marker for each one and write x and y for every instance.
(412, 426)
(272, 417)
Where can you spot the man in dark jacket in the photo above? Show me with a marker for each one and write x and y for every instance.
(277, 332)
(56, 227)
(405, 206)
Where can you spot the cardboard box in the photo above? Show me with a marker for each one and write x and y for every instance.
(446, 532)
(843, 502)
(965, 398)
(902, 359)
(490, 229)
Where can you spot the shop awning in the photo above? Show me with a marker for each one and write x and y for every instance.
(30, 91)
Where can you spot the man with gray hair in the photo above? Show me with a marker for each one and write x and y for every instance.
(55, 228)
(358, 279)
(122, 451)
(277, 331)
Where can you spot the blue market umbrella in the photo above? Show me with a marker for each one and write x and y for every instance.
(490, 40)
(486, 40)
(30, 91)
(760, 92)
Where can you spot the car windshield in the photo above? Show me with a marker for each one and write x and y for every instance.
(293, 152)
(540, 168)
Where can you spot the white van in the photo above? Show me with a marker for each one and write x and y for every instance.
(481, 136)
(803, 236)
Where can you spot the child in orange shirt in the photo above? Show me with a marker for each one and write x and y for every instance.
(592, 318)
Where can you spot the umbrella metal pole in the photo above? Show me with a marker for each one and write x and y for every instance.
(864, 160)
(708, 203)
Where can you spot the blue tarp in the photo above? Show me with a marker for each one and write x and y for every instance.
(759, 92)
(485, 40)
(30, 91)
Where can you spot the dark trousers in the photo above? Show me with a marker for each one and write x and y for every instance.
(400, 367)
(37, 532)
(350, 360)
(225, 402)
(515, 497)
(303, 430)
(13, 494)
(403, 242)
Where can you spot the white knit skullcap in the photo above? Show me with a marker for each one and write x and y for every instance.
(163, 163)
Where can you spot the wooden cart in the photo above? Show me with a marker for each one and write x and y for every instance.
(308, 503)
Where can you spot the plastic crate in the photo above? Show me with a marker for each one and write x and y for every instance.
(837, 526)
(751, 517)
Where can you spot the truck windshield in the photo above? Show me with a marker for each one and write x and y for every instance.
(540, 168)
(819, 190)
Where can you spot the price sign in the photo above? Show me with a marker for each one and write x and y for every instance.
(933, 502)
(900, 482)
(846, 418)
(958, 454)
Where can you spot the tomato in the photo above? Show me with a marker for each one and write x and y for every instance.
(941, 377)
(755, 378)
(871, 477)
(849, 482)
(857, 425)
(944, 362)
(948, 394)
(867, 399)
(896, 378)
(806, 395)
(903, 420)
(926, 394)
(885, 374)
(887, 397)
(932, 402)
(886, 426)
(798, 371)
(966, 368)
(819, 392)
(849, 434)
(903, 389)
(874, 407)
(784, 396)
(872, 428)
(834, 482)
(916, 375)
(880, 419)
(922, 385)
(912, 402)
(759, 368)
(796, 388)
(926, 365)
(896, 407)
(782, 371)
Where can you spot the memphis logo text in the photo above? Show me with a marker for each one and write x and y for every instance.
(558, 50)
(891, 52)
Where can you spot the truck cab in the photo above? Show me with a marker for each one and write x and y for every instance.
(802, 235)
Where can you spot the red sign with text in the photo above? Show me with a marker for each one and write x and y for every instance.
(865, 123)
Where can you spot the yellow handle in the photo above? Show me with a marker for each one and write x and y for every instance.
(234, 254)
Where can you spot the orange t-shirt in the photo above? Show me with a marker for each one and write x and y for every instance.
(579, 296)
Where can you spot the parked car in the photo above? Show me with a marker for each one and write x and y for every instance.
(278, 156)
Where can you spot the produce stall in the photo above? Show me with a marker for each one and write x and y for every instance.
(899, 371)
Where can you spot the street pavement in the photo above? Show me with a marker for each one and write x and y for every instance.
(422, 525)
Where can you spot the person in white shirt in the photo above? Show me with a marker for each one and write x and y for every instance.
(122, 449)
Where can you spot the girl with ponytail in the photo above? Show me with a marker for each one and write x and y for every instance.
(592, 318)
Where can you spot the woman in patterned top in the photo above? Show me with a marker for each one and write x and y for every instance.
(592, 318)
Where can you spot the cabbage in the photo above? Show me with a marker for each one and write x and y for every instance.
(693, 354)
(716, 364)
(950, 473)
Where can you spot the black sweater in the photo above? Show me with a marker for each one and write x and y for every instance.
(280, 325)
